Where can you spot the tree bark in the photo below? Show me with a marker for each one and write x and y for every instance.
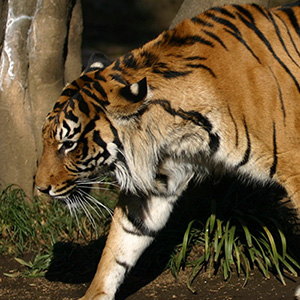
(40, 51)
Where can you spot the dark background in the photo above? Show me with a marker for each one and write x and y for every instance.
(117, 26)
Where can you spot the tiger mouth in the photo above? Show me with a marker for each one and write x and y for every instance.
(63, 193)
(71, 193)
(70, 190)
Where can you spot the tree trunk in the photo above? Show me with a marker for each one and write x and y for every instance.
(40, 52)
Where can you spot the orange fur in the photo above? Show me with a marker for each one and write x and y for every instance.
(220, 91)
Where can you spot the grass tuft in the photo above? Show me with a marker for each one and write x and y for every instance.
(241, 232)
(35, 226)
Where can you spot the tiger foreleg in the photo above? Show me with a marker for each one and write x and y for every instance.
(135, 223)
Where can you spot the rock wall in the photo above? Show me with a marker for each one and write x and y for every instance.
(40, 51)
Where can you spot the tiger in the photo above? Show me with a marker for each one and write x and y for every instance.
(220, 92)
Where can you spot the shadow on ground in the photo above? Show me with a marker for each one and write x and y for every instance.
(74, 263)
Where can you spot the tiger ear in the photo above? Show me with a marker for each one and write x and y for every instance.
(97, 61)
(135, 92)
(128, 100)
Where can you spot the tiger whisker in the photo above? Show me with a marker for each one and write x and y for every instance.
(97, 181)
(87, 213)
(95, 187)
(91, 206)
(96, 202)
(72, 211)
(89, 183)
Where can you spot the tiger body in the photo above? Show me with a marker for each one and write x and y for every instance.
(220, 92)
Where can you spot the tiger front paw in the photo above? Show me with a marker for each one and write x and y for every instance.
(101, 296)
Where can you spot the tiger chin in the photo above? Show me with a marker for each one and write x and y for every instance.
(221, 91)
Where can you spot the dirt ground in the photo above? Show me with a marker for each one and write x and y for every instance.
(163, 287)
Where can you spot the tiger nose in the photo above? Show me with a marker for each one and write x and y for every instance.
(43, 189)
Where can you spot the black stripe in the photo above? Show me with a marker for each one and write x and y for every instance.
(289, 34)
(149, 58)
(197, 20)
(99, 88)
(260, 9)
(123, 264)
(86, 78)
(75, 131)
(215, 37)
(85, 150)
(85, 153)
(71, 103)
(67, 127)
(240, 39)
(59, 105)
(116, 140)
(191, 58)
(72, 170)
(224, 12)
(169, 74)
(291, 15)
(116, 65)
(83, 106)
(129, 61)
(261, 36)
(235, 127)
(69, 92)
(131, 231)
(89, 127)
(234, 31)
(118, 78)
(189, 40)
(201, 66)
(100, 142)
(99, 77)
(214, 143)
(194, 116)
(67, 188)
(69, 115)
(75, 84)
(279, 94)
(245, 12)
(138, 223)
(281, 40)
(224, 22)
(98, 108)
(248, 150)
(102, 102)
(275, 158)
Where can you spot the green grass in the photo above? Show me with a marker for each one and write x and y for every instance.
(36, 226)
(231, 231)
(246, 229)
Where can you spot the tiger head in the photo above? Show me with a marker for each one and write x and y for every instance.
(80, 137)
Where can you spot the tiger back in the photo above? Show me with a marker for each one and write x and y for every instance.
(220, 92)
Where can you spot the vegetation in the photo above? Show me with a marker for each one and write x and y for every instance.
(247, 228)
(36, 226)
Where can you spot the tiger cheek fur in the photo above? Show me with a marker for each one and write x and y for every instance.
(51, 172)
(219, 92)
